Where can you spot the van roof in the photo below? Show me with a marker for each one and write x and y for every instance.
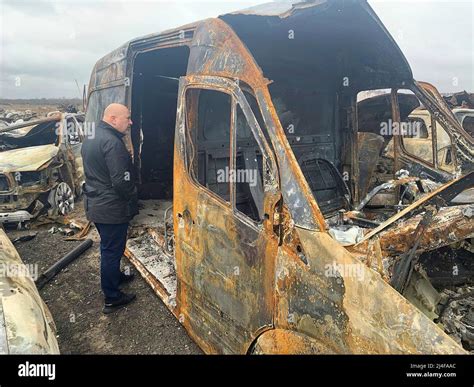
(274, 15)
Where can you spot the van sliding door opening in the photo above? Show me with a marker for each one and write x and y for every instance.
(154, 97)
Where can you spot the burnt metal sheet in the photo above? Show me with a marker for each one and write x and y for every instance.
(370, 147)
(450, 225)
(348, 307)
(225, 269)
(26, 325)
(450, 189)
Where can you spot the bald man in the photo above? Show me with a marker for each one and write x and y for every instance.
(110, 199)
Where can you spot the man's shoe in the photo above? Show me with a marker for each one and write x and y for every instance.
(123, 300)
(126, 278)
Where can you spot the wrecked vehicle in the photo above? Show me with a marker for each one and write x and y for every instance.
(26, 324)
(441, 154)
(423, 158)
(13, 117)
(40, 167)
(460, 100)
(244, 138)
(466, 119)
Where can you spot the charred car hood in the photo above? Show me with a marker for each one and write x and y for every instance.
(27, 159)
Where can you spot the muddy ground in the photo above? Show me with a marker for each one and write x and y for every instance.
(75, 301)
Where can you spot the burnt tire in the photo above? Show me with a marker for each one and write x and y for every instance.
(62, 199)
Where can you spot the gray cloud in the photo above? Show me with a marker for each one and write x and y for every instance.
(32, 8)
(47, 45)
(437, 38)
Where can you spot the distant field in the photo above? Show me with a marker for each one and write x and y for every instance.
(40, 101)
(41, 106)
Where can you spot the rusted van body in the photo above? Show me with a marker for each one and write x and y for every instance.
(253, 266)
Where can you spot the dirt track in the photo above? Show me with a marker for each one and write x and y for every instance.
(75, 301)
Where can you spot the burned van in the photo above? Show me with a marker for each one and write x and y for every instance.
(245, 142)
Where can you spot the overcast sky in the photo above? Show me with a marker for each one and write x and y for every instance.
(46, 46)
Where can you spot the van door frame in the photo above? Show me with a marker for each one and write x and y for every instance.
(199, 302)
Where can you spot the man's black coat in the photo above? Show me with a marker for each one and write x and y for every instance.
(110, 192)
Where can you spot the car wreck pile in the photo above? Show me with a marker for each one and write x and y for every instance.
(462, 99)
(9, 117)
(425, 253)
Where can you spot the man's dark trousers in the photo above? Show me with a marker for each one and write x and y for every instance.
(113, 238)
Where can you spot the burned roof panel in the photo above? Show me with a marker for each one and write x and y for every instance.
(341, 30)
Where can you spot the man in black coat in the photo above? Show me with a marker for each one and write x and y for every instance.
(110, 198)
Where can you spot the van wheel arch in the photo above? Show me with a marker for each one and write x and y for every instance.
(283, 341)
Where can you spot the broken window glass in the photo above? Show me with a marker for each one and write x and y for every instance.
(443, 148)
(248, 175)
(213, 141)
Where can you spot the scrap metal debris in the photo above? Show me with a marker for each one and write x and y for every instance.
(49, 274)
(462, 99)
(25, 238)
(457, 316)
(8, 117)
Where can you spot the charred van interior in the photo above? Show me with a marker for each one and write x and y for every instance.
(155, 92)
(323, 59)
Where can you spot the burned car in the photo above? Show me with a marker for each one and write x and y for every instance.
(245, 141)
(40, 167)
(27, 326)
(466, 119)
